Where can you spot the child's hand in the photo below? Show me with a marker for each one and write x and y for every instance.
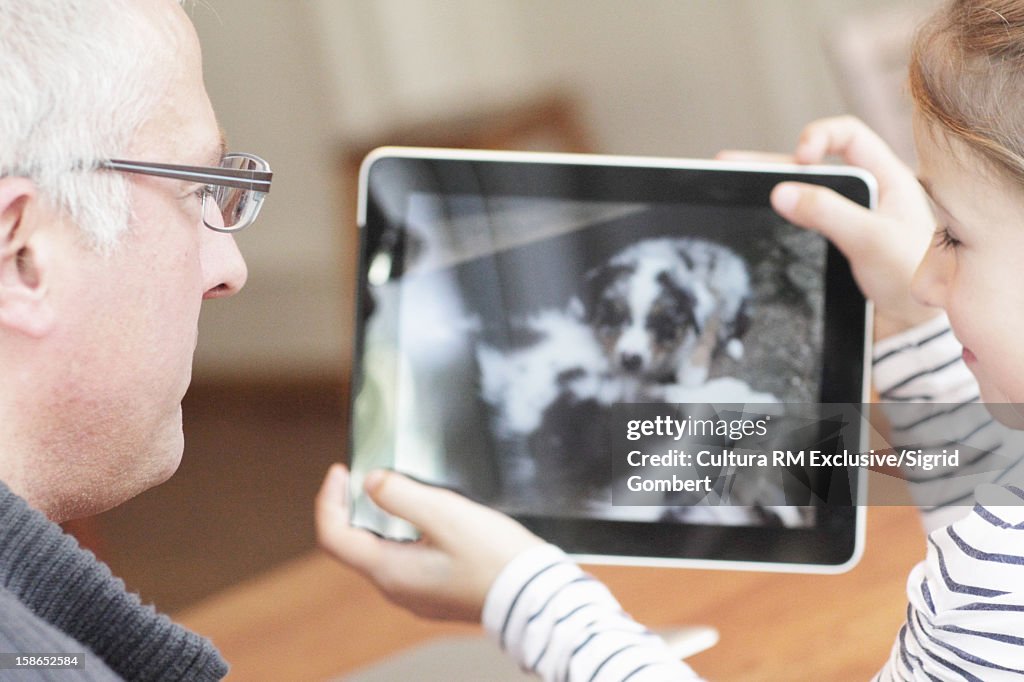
(447, 573)
(883, 246)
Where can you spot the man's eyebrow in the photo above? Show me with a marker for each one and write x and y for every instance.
(218, 152)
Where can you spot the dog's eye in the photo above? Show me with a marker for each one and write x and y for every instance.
(612, 314)
(664, 328)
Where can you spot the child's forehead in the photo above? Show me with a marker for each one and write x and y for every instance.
(981, 209)
(943, 155)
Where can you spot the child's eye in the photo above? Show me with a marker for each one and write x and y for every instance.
(945, 240)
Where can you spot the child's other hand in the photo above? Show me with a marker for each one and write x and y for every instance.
(883, 246)
(448, 572)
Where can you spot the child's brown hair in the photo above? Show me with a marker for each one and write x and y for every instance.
(967, 78)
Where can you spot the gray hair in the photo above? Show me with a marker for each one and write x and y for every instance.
(78, 78)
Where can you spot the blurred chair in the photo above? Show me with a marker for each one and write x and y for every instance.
(546, 121)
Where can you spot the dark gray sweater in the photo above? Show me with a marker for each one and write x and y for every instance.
(57, 598)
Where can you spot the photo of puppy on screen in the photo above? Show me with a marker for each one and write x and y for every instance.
(654, 317)
(647, 325)
(506, 332)
(663, 308)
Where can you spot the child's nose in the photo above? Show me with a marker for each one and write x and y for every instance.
(929, 284)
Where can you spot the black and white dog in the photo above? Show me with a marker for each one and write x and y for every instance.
(646, 325)
(663, 308)
(655, 314)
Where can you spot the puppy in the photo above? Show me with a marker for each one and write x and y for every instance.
(562, 359)
(663, 308)
(644, 326)
(543, 396)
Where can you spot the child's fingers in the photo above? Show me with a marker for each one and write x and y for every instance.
(823, 210)
(354, 546)
(742, 155)
(852, 140)
(436, 512)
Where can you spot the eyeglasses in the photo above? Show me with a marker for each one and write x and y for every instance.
(237, 186)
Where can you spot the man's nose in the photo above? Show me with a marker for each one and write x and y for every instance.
(224, 269)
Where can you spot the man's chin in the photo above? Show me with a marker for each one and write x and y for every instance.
(167, 458)
(161, 458)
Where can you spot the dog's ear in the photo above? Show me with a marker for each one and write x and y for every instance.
(595, 282)
(683, 297)
(686, 258)
(741, 323)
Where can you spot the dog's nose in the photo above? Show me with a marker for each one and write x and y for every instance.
(630, 361)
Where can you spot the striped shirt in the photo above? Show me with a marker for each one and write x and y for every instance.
(965, 617)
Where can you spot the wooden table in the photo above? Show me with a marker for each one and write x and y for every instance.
(312, 619)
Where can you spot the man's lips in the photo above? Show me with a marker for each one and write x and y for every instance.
(968, 355)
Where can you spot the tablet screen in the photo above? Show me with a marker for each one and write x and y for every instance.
(519, 314)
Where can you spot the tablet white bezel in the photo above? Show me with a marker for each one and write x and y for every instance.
(573, 159)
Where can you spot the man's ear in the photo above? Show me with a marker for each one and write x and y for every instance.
(24, 260)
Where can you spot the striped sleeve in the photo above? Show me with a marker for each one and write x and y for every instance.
(965, 616)
(923, 364)
(965, 619)
(933, 403)
(560, 623)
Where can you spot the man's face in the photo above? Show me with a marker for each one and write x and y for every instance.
(128, 321)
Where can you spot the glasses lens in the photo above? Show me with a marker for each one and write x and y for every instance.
(237, 206)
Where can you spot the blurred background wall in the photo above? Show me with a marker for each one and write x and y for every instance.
(312, 84)
(305, 81)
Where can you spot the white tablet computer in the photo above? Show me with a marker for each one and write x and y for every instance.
(636, 357)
